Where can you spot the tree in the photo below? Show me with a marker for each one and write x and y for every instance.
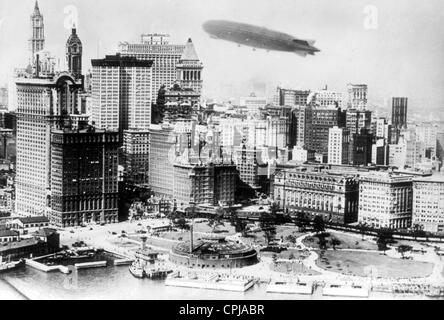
(318, 224)
(216, 220)
(403, 249)
(335, 242)
(267, 223)
(322, 241)
(302, 221)
(385, 237)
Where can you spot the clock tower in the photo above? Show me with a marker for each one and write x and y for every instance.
(37, 40)
(74, 54)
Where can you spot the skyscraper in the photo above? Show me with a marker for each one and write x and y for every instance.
(399, 112)
(42, 102)
(357, 96)
(338, 145)
(121, 93)
(189, 69)
(165, 57)
(83, 177)
(37, 40)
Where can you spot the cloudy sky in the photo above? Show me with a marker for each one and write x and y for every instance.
(403, 55)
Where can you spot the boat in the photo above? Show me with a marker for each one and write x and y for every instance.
(212, 281)
(346, 290)
(156, 273)
(10, 265)
(136, 269)
(290, 287)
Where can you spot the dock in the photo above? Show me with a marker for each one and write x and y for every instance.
(87, 265)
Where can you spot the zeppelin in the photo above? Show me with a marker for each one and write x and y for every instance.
(258, 37)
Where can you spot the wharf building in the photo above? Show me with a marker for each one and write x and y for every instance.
(334, 196)
(84, 185)
(385, 200)
(428, 203)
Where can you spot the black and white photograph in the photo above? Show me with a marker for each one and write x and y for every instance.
(234, 150)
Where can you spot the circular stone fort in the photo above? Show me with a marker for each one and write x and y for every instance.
(213, 251)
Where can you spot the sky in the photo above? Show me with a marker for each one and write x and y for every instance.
(394, 46)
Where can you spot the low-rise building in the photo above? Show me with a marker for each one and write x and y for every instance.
(331, 195)
(26, 225)
(9, 236)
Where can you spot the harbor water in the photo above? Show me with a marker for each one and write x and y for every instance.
(116, 282)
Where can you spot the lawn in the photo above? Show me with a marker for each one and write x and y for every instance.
(294, 268)
(297, 254)
(360, 264)
(347, 242)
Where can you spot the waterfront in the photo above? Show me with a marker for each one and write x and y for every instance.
(117, 283)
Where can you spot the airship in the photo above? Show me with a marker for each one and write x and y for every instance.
(258, 37)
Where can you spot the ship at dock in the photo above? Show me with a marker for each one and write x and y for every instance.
(299, 287)
(212, 281)
(148, 265)
(10, 265)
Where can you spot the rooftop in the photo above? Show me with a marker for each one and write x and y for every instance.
(38, 219)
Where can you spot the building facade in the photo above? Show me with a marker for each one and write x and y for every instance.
(121, 93)
(331, 195)
(385, 200)
(84, 185)
(165, 58)
(338, 145)
(136, 149)
(428, 203)
(42, 102)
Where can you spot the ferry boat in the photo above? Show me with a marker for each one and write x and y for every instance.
(153, 273)
(290, 287)
(212, 281)
(137, 270)
(346, 290)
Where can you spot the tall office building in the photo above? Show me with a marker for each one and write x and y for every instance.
(338, 145)
(165, 57)
(291, 97)
(189, 69)
(37, 40)
(121, 93)
(322, 119)
(357, 96)
(428, 203)
(399, 113)
(162, 154)
(325, 98)
(83, 177)
(385, 200)
(136, 156)
(41, 104)
(357, 119)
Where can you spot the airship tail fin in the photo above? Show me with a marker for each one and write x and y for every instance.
(311, 42)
